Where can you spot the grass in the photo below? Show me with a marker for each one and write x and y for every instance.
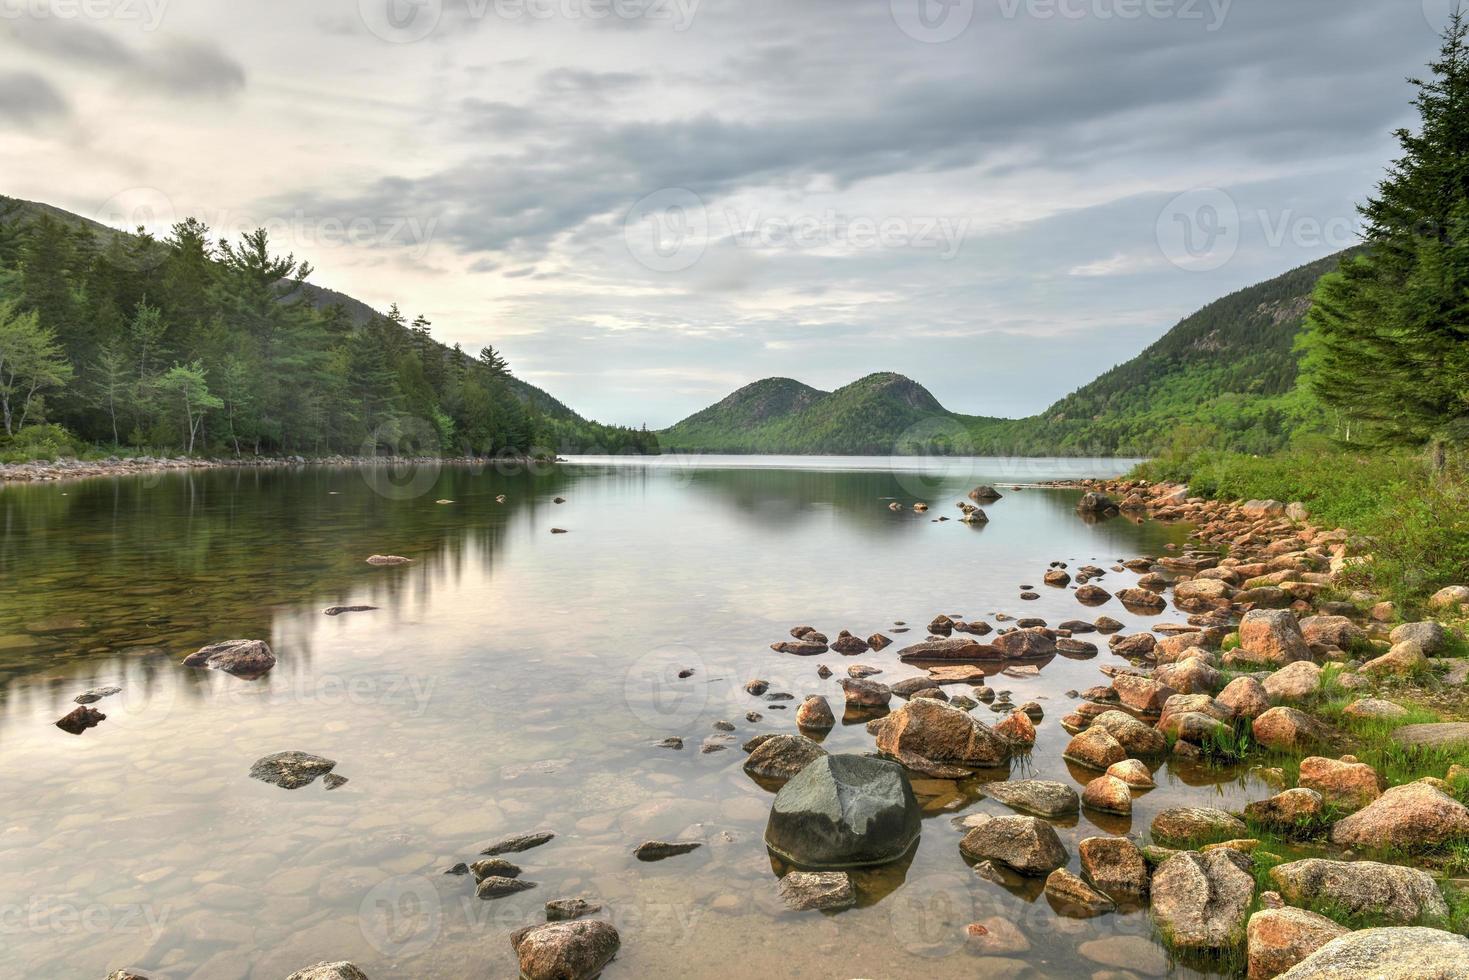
(1415, 520)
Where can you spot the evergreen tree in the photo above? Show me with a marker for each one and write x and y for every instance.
(1388, 339)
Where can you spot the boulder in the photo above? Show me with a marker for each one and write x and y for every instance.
(1404, 658)
(1027, 845)
(1431, 637)
(1412, 817)
(1375, 709)
(1115, 866)
(849, 645)
(815, 714)
(1095, 748)
(924, 731)
(1294, 681)
(1017, 729)
(1138, 646)
(518, 843)
(1074, 898)
(1349, 785)
(1387, 954)
(1095, 503)
(1385, 892)
(1142, 601)
(340, 970)
(494, 887)
(824, 891)
(1439, 735)
(1133, 773)
(1038, 796)
(1332, 631)
(1295, 811)
(844, 811)
(658, 850)
(961, 649)
(984, 494)
(1026, 644)
(1202, 901)
(799, 648)
(1278, 939)
(576, 950)
(1190, 826)
(1135, 737)
(782, 756)
(1194, 728)
(243, 658)
(1192, 676)
(1109, 795)
(863, 693)
(1245, 697)
(1093, 595)
(1270, 638)
(1450, 598)
(1142, 694)
(1288, 730)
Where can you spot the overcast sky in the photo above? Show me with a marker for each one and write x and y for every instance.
(648, 203)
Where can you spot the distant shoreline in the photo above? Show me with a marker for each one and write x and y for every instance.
(72, 470)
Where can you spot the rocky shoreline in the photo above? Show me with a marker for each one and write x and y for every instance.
(75, 469)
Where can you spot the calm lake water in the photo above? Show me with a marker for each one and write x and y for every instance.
(511, 680)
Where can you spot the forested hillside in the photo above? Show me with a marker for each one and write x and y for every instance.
(881, 414)
(1227, 376)
(123, 341)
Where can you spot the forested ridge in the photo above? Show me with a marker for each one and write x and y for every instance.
(114, 341)
(1227, 376)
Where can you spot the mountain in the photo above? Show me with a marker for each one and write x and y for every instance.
(1225, 375)
(548, 418)
(878, 415)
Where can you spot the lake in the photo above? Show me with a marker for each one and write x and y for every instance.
(513, 680)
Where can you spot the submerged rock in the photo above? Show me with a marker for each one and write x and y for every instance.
(825, 891)
(518, 843)
(389, 560)
(657, 850)
(567, 909)
(844, 811)
(1072, 897)
(96, 694)
(291, 770)
(340, 610)
(577, 950)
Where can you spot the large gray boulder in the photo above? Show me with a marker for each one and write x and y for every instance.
(1387, 954)
(844, 811)
(1386, 892)
(1202, 901)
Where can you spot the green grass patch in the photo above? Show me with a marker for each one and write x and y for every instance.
(1414, 519)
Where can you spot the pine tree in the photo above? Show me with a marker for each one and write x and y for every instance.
(1388, 338)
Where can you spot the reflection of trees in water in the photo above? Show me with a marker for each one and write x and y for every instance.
(179, 560)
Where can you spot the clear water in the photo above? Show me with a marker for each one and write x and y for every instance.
(512, 680)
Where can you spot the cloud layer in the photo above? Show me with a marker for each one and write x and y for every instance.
(647, 204)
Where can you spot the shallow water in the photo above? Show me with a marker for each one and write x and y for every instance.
(512, 680)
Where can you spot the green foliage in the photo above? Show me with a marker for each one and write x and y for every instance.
(47, 442)
(1388, 338)
(1413, 514)
(263, 362)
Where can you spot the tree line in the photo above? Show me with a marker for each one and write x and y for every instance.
(188, 343)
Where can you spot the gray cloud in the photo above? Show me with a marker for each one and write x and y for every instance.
(178, 67)
(28, 100)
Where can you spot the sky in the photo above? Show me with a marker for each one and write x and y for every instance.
(646, 204)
